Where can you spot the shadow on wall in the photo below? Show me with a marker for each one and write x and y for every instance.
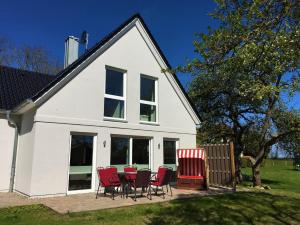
(237, 208)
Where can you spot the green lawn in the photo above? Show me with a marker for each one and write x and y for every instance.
(280, 176)
(281, 205)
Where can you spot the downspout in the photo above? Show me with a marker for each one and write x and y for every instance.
(13, 124)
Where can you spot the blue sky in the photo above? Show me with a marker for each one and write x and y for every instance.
(48, 23)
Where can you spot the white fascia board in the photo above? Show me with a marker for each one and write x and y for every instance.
(23, 107)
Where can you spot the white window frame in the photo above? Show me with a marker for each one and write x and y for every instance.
(116, 97)
(176, 140)
(130, 138)
(155, 103)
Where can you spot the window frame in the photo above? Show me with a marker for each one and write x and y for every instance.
(131, 137)
(155, 103)
(116, 97)
(176, 140)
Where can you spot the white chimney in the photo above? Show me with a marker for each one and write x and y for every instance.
(71, 50)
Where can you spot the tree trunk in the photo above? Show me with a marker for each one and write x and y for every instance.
(256, 179)
(238, 173)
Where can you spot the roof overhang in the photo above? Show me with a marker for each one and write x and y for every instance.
(25, 106)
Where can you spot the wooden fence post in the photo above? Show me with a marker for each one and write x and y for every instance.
(232, 166)
(206, 169)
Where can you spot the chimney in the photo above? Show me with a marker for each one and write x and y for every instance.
(71, 50)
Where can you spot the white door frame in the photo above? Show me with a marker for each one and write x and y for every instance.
(92, 189)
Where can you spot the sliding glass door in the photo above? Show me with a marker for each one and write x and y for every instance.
(130, 151)
(81, 162)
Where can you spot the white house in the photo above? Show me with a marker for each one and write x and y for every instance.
(112, 106)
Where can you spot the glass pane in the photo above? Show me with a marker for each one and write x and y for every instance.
(80, 181)
(119, 151)
(148, 113)
(147, 89)
(169, 152)
(113, 108)
(140, 152)
(80, 173)
(114, 83)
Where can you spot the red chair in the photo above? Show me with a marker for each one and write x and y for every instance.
(143, 180)
(130, 177)
(162, 178)
(108, 178)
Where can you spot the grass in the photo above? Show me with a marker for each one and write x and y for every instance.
(281, 205)
(280, 176)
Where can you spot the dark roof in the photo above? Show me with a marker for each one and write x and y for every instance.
(98, 45)
(16, 85)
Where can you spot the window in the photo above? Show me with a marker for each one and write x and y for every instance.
(169, 152)
(148, 99)
(119, 151)
(114, 101)
(130, 151)
(140, 152)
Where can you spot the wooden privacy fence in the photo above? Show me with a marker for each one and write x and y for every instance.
(220, 166)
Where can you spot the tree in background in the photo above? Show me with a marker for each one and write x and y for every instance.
(245, 69)
(36, 59)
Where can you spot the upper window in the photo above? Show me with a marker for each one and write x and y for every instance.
(114, 102)
(148, 99)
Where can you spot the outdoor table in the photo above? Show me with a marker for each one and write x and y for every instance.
(123, 181)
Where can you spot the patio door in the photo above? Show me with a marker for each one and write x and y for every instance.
(81, 166)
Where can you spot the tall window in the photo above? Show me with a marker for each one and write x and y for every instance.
(119, 151)
(114, 102)
(169, 152)
(148, 99)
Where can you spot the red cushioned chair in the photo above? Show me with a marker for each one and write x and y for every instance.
(108, 178)
(162, 178)
(130, 177)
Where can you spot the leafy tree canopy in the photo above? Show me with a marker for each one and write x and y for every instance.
(245, 69)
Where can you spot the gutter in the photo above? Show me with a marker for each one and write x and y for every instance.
(13, 124)
(20, 109)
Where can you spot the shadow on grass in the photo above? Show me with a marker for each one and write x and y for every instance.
(248, 178)
(237, 208)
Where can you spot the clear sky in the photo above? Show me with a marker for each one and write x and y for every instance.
(47, 23)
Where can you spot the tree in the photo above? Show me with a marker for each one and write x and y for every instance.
(245, 68)
(36, 59)
(5, 51)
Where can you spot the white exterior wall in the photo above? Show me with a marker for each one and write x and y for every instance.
(25, 154)
(7, 134)
(78, 107)
(52, 152)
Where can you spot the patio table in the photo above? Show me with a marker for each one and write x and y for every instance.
(124, 182)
